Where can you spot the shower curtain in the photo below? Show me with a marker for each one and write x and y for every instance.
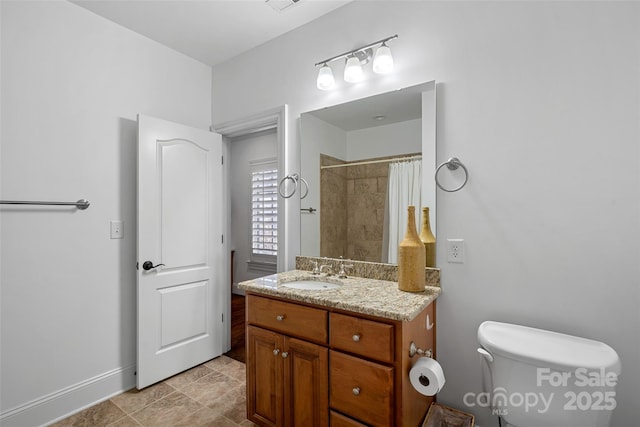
(403, 190)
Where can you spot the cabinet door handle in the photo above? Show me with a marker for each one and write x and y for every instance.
(284, 354)
(276, 351)
(280, 317)
(356, 337)
(356, 391)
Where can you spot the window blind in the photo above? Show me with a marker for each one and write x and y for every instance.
(264, 212)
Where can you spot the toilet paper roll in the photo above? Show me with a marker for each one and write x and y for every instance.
(426, 376)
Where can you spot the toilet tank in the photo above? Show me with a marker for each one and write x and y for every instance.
(540, 377)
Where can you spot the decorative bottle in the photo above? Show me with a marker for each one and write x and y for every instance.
(428, 239)
(411, 258)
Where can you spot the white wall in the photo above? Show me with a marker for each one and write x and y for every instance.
(541, 102)
(242, 151)
(72, 84)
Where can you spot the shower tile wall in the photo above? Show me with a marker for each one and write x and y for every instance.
(333, 206)
(352, 203)
(366, 193)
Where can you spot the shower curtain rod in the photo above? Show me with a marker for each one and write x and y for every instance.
(369, 162)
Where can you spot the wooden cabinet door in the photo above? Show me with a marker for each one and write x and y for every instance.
(306, 384)
(264, 377)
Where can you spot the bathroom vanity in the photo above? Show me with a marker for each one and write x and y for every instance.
(338, 356)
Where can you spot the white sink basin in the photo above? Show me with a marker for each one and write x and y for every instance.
(311, 285)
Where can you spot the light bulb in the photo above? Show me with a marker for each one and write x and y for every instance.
(353, 70)
(325, 78)
(383, 61)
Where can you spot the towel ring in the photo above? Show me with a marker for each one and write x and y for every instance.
(452, 164)
(295, 178)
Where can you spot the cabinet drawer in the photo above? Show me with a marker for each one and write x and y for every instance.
(361, 389)
(339, 420)
(291, 319)
(371, 339)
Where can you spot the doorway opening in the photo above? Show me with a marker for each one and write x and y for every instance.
(254, 151)
(253, 179)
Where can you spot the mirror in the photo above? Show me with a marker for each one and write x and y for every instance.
(346, 212)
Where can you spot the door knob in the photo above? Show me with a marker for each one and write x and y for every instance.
(148, 265)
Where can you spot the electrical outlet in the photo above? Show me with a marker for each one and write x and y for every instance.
(117, 229)
(455, 250)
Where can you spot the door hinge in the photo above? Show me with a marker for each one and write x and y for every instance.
(222, 159)
(137, 266)
(222, 239)
(222, 317)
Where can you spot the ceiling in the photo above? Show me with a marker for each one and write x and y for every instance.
(211, 31)
(378, 110)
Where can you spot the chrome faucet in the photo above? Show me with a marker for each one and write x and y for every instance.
(315, 270)
(342, 273)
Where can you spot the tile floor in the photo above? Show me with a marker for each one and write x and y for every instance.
(211, 394)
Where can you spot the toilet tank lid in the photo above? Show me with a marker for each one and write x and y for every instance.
(546, 348)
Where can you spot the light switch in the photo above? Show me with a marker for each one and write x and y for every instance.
(117, 229)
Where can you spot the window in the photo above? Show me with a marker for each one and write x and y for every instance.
(264, 215)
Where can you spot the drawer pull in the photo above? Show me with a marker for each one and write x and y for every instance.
(284, 354)
(356, 337)
(280, 317)
(276, 351)
(356, 391)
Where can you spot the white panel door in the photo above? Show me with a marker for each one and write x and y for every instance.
(180, 252)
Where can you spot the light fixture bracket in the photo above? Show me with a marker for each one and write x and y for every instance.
(354, 52)
(364, 56)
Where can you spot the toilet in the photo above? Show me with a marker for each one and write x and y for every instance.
(538, 378)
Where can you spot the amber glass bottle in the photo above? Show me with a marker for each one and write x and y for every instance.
(428, 239)
(411, 257)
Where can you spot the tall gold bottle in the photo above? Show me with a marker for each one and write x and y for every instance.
(428, 239)
(411, 257)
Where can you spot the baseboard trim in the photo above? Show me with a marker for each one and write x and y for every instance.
(69, 400)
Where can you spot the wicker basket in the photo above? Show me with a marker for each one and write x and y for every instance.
(443, 416)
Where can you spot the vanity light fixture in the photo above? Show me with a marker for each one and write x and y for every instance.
(355, 59)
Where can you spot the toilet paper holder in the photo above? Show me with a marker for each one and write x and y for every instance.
(414, 349)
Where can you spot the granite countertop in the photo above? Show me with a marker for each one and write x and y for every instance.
(374, 297)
